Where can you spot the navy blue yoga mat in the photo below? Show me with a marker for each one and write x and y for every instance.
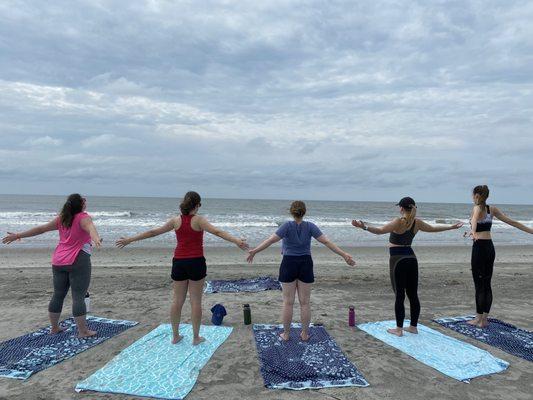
(502, 335)
(317, 363)
(25, 355)
(242, 285)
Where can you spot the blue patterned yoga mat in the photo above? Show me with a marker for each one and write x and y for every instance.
(318, 363)
(154, 367)
(243, 285)
(450, 356)
(506, 337)
(25, 355)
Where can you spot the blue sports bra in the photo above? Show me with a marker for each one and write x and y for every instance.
(484, 225)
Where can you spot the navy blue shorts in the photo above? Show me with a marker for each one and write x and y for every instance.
(296, 267)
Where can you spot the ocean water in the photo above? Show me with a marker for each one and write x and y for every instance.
(253, 219)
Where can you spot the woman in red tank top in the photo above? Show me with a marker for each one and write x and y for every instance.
(188, 264)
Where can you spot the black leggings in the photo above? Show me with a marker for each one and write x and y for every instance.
(76, 276)
(483, 255)
(404, 279)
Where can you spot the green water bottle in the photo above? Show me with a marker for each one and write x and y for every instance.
(247, 314)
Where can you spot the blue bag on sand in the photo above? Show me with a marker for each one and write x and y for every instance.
(219, 312)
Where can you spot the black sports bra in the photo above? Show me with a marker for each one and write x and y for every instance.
(403, 239)
(485, 224)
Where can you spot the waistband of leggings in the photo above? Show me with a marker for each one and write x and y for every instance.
(482, 242)
(401, 251)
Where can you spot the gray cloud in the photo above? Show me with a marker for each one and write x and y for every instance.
(285, 99)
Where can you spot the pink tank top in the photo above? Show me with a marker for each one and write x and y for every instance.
(71, 241)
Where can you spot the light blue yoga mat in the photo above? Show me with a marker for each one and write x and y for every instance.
(454, 358)
(154, 367)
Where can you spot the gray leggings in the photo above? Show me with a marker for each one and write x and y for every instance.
(76, 276)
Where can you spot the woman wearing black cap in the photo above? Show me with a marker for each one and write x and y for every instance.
(403, 262)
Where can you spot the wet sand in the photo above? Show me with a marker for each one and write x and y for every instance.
(134, 284)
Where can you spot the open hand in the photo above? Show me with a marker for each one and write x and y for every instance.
(358, 224)
(349, 260)
(457, 225)
(122, 242)
(98, 242)
(250, 258)
(11, 237)
(241, 244)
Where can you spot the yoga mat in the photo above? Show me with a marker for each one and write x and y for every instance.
(504, 336)
(25, 355)
(242, 285)
(454, 358)
(297, 365)
(154, 367)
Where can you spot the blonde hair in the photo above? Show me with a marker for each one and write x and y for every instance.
(298, 209)
(409, 217)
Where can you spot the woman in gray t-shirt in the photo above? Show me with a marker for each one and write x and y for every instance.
(296, 269)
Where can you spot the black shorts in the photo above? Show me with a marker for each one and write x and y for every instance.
(193, 269)
(296, 267)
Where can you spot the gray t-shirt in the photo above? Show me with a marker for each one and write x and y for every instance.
(296, 238)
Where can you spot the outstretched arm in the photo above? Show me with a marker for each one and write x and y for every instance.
(504, 218)
(206, 226)
(124, 241)
(388, 228)
(425, 227)
(38, 230)
(267, 243)
(336, 249)
(88, 226)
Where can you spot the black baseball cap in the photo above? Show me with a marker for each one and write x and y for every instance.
(406, 202)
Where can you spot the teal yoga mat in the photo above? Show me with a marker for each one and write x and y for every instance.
(154, 367)
(452, 357)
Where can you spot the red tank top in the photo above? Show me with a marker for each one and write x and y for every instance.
(190, 242)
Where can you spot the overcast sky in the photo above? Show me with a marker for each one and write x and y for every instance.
(280, 99)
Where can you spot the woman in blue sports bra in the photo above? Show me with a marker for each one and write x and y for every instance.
(483, 253)
(403, 262)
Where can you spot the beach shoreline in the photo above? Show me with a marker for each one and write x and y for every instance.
(134, 284)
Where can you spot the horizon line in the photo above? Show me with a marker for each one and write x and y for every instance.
(247, 198)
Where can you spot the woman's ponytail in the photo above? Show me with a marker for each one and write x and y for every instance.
(483, 194)
(190, 201)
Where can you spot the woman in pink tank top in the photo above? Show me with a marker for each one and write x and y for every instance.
(188, 264)
(71, 261)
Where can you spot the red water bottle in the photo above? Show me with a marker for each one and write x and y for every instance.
(351, 316)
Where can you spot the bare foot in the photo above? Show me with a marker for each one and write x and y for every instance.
(198, 340)
(55, 331)
(474, 321)
(87, 333)
(483, 324)
(396, 331)
(304, 336)
(411, 329)
(176, 339)
(284, 336)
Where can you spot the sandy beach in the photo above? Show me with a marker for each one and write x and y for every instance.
(134, 284)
